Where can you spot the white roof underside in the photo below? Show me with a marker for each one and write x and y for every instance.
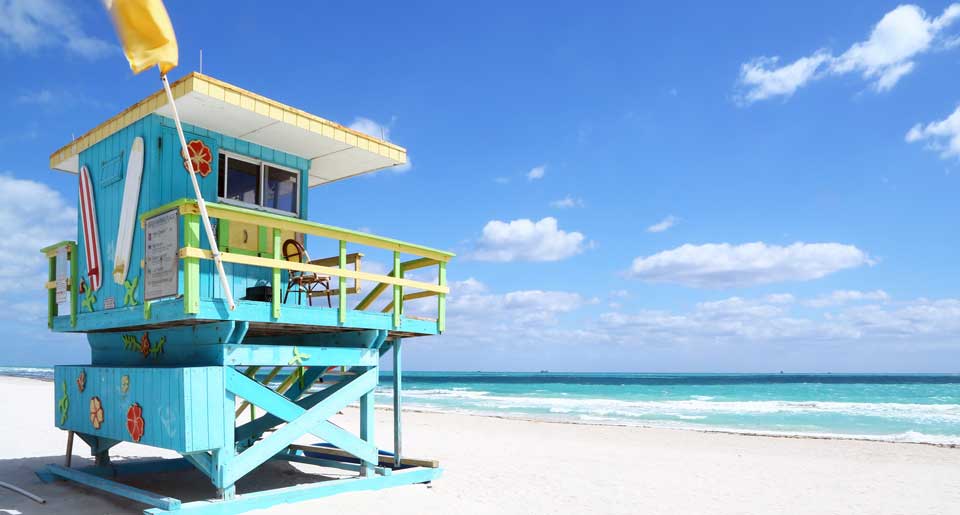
(335, 152)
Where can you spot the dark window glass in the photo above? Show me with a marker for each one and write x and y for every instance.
(221, 174)
(280, 191)
(243, 181)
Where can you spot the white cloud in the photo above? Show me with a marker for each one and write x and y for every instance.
(722, 265)
(32, 216)
(841, 297)
(537, 172)
(526, 240)
(664, 224)
(736, 320)
(942, 136)
(567, 202)
(762, 79)
(882, 59)
(32, 25)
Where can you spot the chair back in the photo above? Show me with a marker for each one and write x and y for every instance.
(293, 251)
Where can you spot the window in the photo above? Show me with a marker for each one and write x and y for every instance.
(247, 181)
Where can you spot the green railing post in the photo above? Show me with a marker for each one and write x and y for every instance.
(275, 285)
(397, 290)
(342, 292)
(74, 281)
(52, 294)
(442, 299)
(191, 266)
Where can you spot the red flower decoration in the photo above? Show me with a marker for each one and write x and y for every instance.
(200, 156)
(82, 381)
(145, 345)
(135, 424)
(96, 412)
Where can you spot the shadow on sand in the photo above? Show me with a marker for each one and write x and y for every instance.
(66, 497)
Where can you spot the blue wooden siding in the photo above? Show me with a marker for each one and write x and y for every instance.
(177, 404)
(165, 180)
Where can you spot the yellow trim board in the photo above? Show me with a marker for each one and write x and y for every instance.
(239, 98)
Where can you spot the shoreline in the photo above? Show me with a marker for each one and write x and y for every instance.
(612, 423)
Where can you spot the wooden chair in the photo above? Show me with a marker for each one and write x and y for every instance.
(303, 282)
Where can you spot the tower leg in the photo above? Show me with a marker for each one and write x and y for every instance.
(224, 456)
(397, 385)
(367, 425)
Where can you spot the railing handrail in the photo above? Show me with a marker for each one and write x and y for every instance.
(275, 221)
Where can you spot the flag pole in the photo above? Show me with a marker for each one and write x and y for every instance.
(201, 205)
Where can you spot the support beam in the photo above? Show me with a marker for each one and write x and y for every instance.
(397, 408)
(122, 490)
(250, 355)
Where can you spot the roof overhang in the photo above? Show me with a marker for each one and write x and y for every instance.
(335, 152)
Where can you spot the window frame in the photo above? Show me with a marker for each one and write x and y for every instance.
(262, 183)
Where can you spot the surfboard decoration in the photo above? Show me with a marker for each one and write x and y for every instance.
(128, 212)
(91, 236)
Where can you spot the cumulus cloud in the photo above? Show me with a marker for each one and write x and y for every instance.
(567, 202)
(33, 214)
(664, 224)
(526, 240)
(841, 297)
(885, 57)
(32, 25)
(722, 265)
(942, 136)
(537, 172)
(738, 320)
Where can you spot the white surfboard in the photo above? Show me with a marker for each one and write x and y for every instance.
(128, 212)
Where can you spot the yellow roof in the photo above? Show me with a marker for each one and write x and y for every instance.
(334, 151)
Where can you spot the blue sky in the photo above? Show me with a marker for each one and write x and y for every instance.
(751, 187)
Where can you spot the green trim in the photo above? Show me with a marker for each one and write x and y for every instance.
(64, 243)
(74, 281)
(223, 235)
(167, 207)
(397, 290)
(276, 275)
(442, 300)
(191, 266)
(51, 293)
(305, 226)
(342, 292)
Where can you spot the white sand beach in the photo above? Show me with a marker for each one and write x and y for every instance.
(494, 465)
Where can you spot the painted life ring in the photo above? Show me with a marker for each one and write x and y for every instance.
(200, 156)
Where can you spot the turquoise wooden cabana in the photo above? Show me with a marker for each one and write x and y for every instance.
(172, 366)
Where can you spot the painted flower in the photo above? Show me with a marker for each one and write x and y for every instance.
(135, 424)
(125, 384)
(96, 412)
(82, 380)
(200, 157)
(145, 345)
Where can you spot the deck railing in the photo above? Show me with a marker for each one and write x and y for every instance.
(69, 248)
(191, 253)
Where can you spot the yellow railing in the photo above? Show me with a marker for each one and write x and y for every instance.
(337, 267)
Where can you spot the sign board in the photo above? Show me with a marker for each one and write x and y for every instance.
(63, 268)
(161, 259)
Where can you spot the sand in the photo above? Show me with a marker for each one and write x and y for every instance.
(494, 465)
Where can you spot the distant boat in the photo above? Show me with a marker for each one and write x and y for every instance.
(544, 371)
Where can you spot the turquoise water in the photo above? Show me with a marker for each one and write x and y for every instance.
(915, 408)
(894, 407)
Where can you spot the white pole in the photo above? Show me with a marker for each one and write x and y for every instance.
(201, 205)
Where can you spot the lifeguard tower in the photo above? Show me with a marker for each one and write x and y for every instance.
(172, 366)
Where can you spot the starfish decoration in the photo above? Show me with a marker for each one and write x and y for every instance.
(64, 403)
(130, 298)
(88, 297)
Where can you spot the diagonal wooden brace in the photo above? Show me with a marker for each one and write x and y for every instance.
(299, 420)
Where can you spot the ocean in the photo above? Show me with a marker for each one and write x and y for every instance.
(922, 408)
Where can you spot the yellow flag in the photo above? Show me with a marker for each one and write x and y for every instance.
(145, 32)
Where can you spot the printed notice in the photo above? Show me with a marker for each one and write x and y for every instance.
(161, 259)
(63, 267)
